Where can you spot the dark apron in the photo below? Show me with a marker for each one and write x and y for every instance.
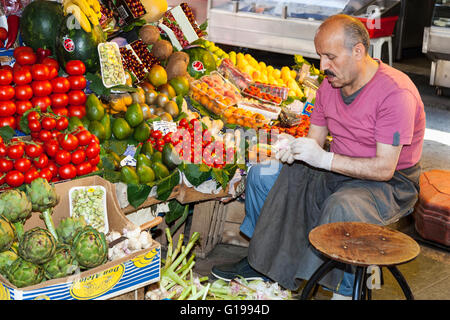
(303, 198)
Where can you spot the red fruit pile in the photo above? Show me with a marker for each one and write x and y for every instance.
(203, 148)
(34, 82)
(64, 156)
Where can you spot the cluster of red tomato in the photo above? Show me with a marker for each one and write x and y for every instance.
(29, 84)
(203, 147)
(64, 156)
(300, 130)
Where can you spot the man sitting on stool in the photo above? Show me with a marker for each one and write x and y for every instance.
(376, 118)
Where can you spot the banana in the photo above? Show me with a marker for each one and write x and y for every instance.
(84, 6)
(95, 5)
(80, 16)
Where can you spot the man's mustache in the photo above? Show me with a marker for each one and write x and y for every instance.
(329, 73)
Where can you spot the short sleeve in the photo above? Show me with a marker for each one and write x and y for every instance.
(395, 119)
(318, 115)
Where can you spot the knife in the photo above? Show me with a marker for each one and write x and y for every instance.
(149, 224)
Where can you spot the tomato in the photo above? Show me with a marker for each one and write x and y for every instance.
(77, 97)
(156, 134)
(22, 164)
(63, 112)
(60, 85)
(50, 62)
(167, 137)
(84, 137)
(34, 125)
(6, 92)
(46, 174)
(77, 111)
(39, 72)
(22, 106)
(45, 135)
(59, 100)
(51, 148)
(3, 34)
(15, 151)
(22, 76)
(31, 175)
(52, 73)
(77, 82)
(7, 108)
(6, 165)
(78, 156)
(68, 142)
(53, 168)
(48, 123)
(42, 102)
(95, 139)
(92, 150)
(19, 50)
(14, 178)
(33, 115)
(62, 157)
(159, 148)
(34, 150)
(8, 121)
(183, 123)
(84, 168)
(41, 161)
(6, 77)
(41, 88)
(3, 150)
(67, 171)
(26, 58)
(62, 123)
(23, 92)
(75, 68)
(94, 161)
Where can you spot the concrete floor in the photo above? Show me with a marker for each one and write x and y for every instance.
(429, 274)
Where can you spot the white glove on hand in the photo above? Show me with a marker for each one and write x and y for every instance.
(308, 150)
(283, 148)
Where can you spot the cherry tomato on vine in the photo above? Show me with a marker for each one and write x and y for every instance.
(15, 151)
(6, 165)
(48, 123)
(92, 150)
(78, 156)
(46, 174)
(62, 157)
(41, 161)
(31, 175)
(68, 142)
(34, 150)
(84, 168)
(62, 123)
(22, 164)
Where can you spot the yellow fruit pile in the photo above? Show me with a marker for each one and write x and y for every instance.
(217, 52)
(263, 73)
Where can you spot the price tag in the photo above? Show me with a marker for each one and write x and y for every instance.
(164, 126)
(131, 151)
(128, 161)
(307, 110)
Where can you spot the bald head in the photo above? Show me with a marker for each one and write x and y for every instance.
(349, 29)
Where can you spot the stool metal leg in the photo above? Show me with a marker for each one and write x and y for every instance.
(318, 274)
(359, 283)
(402, 282)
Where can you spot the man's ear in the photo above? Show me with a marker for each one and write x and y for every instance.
(359, 51)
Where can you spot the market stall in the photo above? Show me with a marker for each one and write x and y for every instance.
(123, 114)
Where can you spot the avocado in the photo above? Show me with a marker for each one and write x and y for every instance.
(94, 108)
(134, 115)
(97, 129)
(157, 157)
(128, 175)
(106, 122)
(160, 170)
(170, 157)
(145, 174)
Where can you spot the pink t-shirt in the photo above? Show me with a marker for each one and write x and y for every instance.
(387, 110)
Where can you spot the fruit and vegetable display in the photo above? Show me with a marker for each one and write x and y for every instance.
(134, 92)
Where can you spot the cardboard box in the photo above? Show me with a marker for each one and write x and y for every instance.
(106, 281)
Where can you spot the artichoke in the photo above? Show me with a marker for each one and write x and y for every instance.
(62, 264)
(6, 259)
(37, 245)
(16, 207)
(43, 198)
(7, 235)
(89, 247)
(68, 227)
(23, 273)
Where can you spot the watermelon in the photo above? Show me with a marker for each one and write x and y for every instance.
(73, 43)
(40, 23)
(201, 62)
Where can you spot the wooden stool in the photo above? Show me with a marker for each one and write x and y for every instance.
(362, 245)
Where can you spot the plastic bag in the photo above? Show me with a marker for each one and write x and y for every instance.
(13, 6)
